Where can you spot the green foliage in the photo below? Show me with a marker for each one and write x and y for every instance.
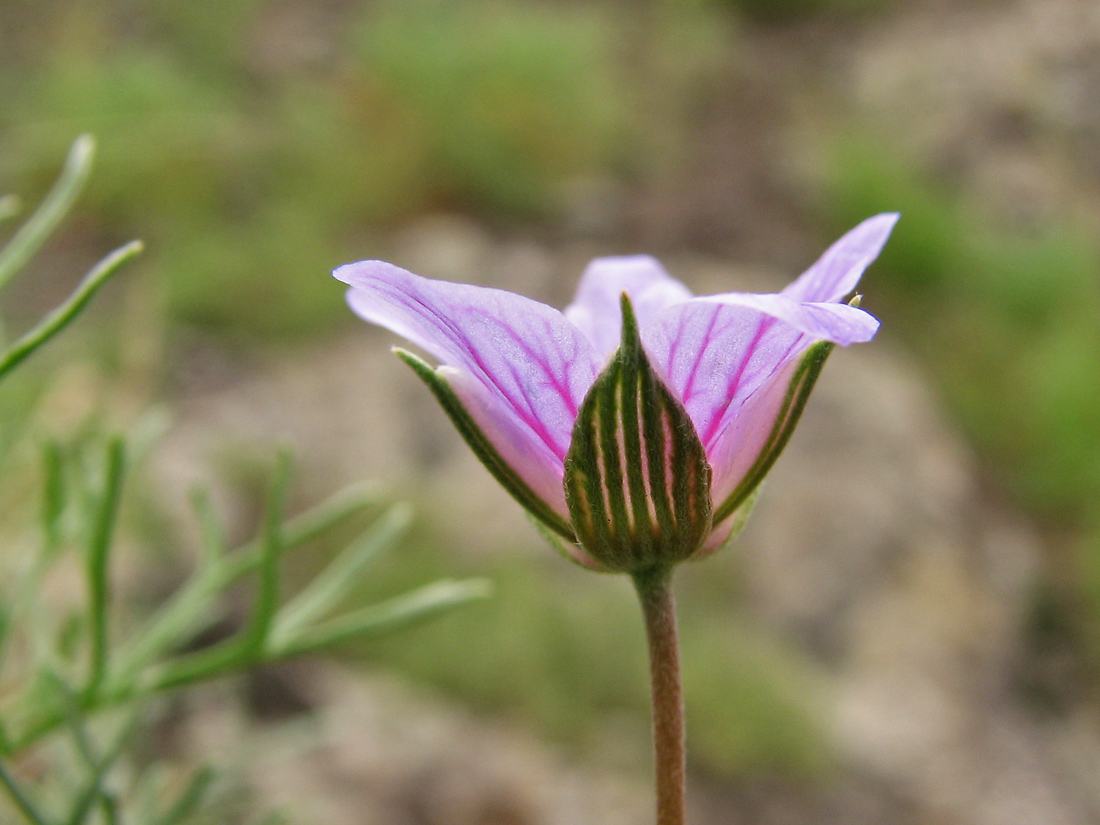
(29, 238)
(74, 684)
(501, 100)
(266, 166)
(1007, 322)
(63, 673)
(1000, 314)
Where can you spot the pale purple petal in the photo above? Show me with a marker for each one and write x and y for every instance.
(837, 272)
(533, 366)
(713, 356)
(716, 351)
(839, 323)
(716, 540)
(535, 462)
(737, 445)
(596, 310)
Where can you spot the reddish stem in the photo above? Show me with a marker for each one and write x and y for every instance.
(659, 610)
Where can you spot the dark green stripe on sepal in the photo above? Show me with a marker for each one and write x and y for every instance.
(637, 481)
(798, 393)
(501, 470)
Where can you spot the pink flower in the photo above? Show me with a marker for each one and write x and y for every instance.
(636, 424)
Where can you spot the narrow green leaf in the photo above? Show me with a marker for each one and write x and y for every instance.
(109, 807)
(5, 625)
(53, 497)
(143, 436)
(132, 676)
(58, 201)
(324, 593)
(248, 646)
(379, 619)
(60, 317)
(208, 663)
(191, 604)
(315, 522)
(213, 537)
(97, 559)
(23, 601)
(93, 788)
(267, 591)
(20, 798)
(376, 620)
(190, 799)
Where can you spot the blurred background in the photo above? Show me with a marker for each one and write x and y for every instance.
(909, 630)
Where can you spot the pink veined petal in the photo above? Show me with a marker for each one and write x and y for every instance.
(534, 366)
(736, 447)
(837, 272)
(595, 310)
(839, 323)
(539, 466)
(717, 351)
(714, 355)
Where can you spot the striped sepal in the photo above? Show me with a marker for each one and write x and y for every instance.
(637, 480)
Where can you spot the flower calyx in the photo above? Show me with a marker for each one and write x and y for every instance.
(637, 480)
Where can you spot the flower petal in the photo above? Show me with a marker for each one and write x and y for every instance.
(718, 350)
(595, 310)
(744, 452)
(837, 272)
(532, 366)
(714, 356)
(839, 323)
(738, 445)
(531, 459)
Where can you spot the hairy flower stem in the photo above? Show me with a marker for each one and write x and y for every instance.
(654, 588)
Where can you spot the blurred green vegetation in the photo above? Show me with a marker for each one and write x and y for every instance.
(1006, 321)
(250, 163)
(1001, 314)
(76, 679)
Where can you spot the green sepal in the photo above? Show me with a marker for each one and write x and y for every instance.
(798, 393)
(637, 481)
(501, 470)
